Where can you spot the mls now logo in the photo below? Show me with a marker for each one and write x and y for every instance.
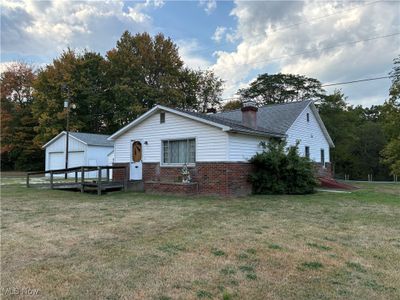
(19, 291)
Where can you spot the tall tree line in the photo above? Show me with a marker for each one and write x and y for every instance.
(106, 93)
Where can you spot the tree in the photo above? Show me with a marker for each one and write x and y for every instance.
(282, 88)
(358, 137)
(144, 71)
(232, 105)
(17, 123)
(209, 91)
(391, 154)
(391, 121)
(82, 79)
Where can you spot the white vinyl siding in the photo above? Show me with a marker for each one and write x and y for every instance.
(242, 147)
(58, 146)
(79, 154)
(309, 134)
(211, 142)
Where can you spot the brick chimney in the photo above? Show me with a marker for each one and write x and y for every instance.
(249, 114)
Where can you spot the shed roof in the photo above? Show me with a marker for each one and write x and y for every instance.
(90, 139)
(93, 139)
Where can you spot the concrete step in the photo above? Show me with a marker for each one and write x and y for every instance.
(136, 185)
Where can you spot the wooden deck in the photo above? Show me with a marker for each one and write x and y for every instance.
(80, 184)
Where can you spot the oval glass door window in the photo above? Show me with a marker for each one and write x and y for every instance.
(137, 151)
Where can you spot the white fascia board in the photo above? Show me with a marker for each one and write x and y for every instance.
(167, 109)
(322, 125)
(58, 136)
(53, 139)
(132, 124)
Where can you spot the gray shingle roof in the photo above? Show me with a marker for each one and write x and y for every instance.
(235, 125)
(274, 118)
(93, 139)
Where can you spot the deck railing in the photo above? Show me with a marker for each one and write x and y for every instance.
(82, 170)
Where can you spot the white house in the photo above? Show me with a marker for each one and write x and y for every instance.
(216, 147)
(84, 149)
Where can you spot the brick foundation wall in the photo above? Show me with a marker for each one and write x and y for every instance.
(213, 178)
(171, 188)
(321, 171)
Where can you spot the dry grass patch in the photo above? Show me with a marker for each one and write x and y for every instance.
(138, 246)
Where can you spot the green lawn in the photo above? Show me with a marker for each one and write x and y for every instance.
(139, 246)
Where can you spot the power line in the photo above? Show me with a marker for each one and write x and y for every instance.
(332, 84)
(306, 21)
(325, 48)
(355, 81)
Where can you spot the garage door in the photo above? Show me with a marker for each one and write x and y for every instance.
(56, 160)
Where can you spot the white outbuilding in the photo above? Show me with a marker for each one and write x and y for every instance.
(84, 149)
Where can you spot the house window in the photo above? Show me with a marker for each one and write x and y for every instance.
(308, 117)
(307, 151)
(179, 151)
(323, 157)
(162, 117)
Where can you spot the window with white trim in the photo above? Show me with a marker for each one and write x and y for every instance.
(179, 151)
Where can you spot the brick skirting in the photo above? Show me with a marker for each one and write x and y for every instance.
(213, 178)
(323, 171)
(178, 188)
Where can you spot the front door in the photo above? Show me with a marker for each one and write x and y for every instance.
(136, 161)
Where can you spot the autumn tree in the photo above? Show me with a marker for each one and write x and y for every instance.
(282, 88)
(209, 90)
(143, 71)
(18, 152)
(79, 77)
(232, 105)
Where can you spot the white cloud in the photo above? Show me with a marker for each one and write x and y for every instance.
(265, 33)
(209, 5)
(219, 33)
(44, 28)
(187, 50)
(223, 33)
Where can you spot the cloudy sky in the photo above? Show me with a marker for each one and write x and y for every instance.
(333, 41)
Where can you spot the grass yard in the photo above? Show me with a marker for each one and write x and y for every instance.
(138, 246)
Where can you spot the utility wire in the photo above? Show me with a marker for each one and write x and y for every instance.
(304, 22)
(355, 81)
(330, 84)
(325, 48)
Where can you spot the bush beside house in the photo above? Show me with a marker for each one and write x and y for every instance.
(277, 171)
